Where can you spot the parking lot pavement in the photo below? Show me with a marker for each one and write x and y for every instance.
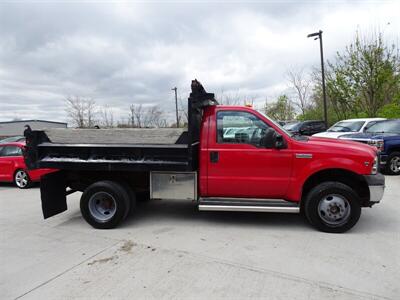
(169, 250)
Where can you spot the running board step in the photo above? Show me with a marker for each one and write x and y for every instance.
(251, 205)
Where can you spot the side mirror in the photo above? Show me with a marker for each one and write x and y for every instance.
(279, 141)
(268, 138)
(367, 126)
(272, 139)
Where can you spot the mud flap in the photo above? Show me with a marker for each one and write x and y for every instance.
(53, 194)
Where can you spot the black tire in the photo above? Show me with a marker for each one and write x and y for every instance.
(394, 156)
(93, 210)
(22, 179)
(345, 207)
(132, 198)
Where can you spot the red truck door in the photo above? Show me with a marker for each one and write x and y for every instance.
(238, 166)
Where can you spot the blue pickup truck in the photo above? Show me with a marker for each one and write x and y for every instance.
(385, 136)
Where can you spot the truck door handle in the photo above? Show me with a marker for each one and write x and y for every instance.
(214, 156)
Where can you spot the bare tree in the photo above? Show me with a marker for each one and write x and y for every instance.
(124, 123)
(232, 98)
(90, 106)
(107, 117)
(151, 116)
(81, 111)
(137, 115)
(131, 119)
(300, 85)
(183, 113)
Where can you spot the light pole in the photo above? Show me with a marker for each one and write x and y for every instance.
(176, 105)
(318, 35)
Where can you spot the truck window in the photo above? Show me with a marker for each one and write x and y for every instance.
(237, 127)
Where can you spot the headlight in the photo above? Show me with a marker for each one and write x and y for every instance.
(379, 144)
(374, 169)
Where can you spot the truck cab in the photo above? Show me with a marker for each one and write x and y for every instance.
(231, 158)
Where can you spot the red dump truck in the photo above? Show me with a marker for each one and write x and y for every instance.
(230, 158)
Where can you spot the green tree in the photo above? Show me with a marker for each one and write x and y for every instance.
(362, 81)
(282, 109)
(390, 111)
(364, 78)
(315, 109)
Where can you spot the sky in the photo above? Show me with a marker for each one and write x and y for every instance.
(121, 53)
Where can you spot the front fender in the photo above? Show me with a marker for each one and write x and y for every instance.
(392, 145)
(305, 168)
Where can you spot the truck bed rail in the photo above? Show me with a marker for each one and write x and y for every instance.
(98, 157)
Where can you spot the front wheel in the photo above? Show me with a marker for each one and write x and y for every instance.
(332, 207)
(393, 164)
(22, 180)
(105, 204)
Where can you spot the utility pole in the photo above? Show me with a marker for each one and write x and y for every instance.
(176, 106)
(318, 35)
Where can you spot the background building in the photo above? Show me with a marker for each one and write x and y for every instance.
(13, 128)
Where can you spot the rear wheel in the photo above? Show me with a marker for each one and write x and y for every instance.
(132, 197)
(332, 207)
(393, 164)
(105, 204)
(22, 180)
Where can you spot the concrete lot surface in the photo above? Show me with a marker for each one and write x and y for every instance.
(169, 250)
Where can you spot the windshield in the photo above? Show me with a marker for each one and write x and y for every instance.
(292, 126)
(347, 126)
(392, 126)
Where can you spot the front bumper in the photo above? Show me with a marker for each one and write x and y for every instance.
(376, 185)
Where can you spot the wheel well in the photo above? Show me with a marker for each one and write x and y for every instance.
(353, 180)
(15, 172)
(391, 150)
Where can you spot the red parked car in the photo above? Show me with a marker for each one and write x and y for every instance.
(13, 168)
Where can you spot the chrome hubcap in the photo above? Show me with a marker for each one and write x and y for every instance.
(102, 206)
(395, 164)
(334, 210)
(21, 179)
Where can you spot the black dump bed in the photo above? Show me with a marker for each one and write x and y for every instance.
(113, 149)
(136, 149)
